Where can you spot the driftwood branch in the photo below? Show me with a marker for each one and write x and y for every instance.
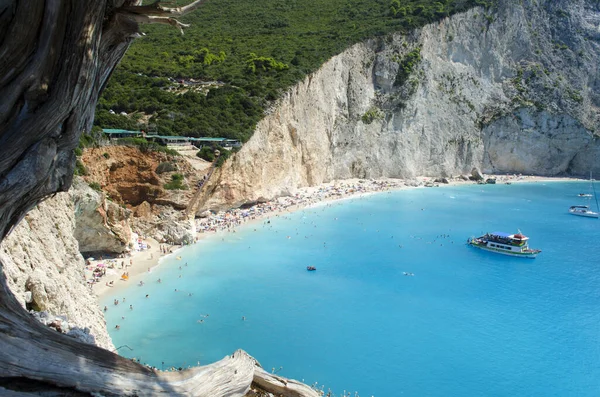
(156, 9)
(156, 13)
(281, 386)
(140, 18)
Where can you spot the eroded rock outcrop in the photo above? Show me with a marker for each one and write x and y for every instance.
(129, 176)
(101, 225)
(511, 89)
(44, 269)
(164, 224)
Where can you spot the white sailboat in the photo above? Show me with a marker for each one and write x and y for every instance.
(584, 210)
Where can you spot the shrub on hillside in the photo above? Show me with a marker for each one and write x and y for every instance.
(225, 154)
(407, 64)
(176, 183)
(86, 140)
(206, 153)
(166, 166)
(371, 115)
(80, 168)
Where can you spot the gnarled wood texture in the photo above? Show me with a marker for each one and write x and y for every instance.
(55, 58)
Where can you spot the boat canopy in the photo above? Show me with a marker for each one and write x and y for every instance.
(514, 237)
(502, 234)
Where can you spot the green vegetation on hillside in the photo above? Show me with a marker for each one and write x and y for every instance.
(252, 52)
(176, 183)
(206, 153)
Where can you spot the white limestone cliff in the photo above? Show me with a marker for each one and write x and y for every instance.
(512, 89)
(44, 268)
(43, 262)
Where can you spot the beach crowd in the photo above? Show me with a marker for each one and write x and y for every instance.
(227, 220)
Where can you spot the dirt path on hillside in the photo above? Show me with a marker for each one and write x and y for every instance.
(189, 152)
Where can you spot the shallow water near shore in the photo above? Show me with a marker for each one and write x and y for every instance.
(468, 322)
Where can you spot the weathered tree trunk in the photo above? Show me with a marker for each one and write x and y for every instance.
(55, 58)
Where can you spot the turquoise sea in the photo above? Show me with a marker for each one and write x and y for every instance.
(468, 323)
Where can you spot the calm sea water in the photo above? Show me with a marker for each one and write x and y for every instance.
(468, 323)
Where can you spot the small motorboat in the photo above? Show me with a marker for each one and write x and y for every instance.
(311, 268)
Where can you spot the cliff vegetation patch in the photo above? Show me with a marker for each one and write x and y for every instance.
(407, 65)
(371, 115)
(166, 166)
(176, 183)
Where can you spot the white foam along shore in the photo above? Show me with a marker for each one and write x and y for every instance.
(140, 262)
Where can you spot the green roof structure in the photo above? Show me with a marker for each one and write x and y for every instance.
(116, 131)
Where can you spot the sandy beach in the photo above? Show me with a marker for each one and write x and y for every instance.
(140, 262)
(135, 263)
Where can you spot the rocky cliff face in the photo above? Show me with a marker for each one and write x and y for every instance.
(138, 182)
(510, 89)
(131, 177)
(100, 225)
(44, 268)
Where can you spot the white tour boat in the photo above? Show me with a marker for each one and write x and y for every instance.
(504, 243)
